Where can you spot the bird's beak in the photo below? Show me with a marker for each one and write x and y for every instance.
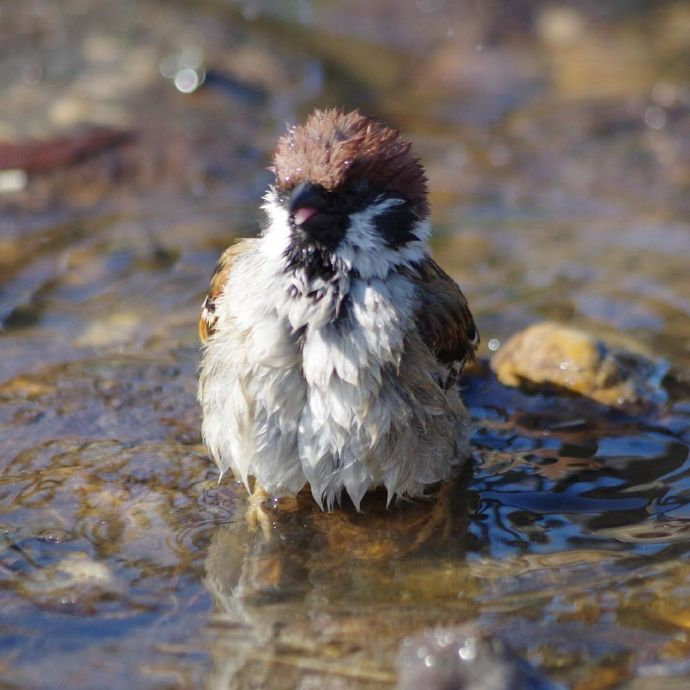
(306, 201)
(312, 215)
(303, 214)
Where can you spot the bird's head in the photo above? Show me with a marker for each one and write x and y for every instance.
(350, 193)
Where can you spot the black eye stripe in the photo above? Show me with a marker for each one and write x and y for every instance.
(346, 201)
(396, 224)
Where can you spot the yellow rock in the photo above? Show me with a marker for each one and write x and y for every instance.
(551, 355)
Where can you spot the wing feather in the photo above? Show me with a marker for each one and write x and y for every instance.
(209, 317)
(444, 319)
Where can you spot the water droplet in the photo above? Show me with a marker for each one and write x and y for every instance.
(469, 650)
(188, 80)
(655, 117)
(12, 180)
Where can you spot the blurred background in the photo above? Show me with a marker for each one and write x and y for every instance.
(135, 138)
(555, 136)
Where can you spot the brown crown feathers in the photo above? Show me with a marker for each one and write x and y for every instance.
(338, 150)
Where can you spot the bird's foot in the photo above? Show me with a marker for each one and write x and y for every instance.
(440, 520)
(257, 514)
(263, 509)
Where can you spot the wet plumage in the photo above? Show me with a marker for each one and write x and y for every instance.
(333, 341)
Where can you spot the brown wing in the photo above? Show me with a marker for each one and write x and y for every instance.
(444, 319)
(209, 318)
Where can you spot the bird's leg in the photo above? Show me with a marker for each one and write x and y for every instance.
(267, 511)
(257, 514)
(443, 515)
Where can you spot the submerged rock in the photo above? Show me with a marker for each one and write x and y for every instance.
(549, 355)
(464, 658)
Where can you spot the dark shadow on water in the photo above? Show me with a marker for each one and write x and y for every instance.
(561, 472)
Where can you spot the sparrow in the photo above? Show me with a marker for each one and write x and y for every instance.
(333, 342)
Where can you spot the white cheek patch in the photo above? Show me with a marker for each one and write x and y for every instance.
(365, 250)
(277, 234)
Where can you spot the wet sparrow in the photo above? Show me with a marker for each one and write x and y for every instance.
(333, 341)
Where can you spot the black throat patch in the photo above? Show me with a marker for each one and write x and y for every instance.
(317, 261)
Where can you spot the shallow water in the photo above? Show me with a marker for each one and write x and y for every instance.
(556, 142)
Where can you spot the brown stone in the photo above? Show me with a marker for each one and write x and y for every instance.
(549, 355)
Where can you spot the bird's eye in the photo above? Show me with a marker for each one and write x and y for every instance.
(357, 196)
